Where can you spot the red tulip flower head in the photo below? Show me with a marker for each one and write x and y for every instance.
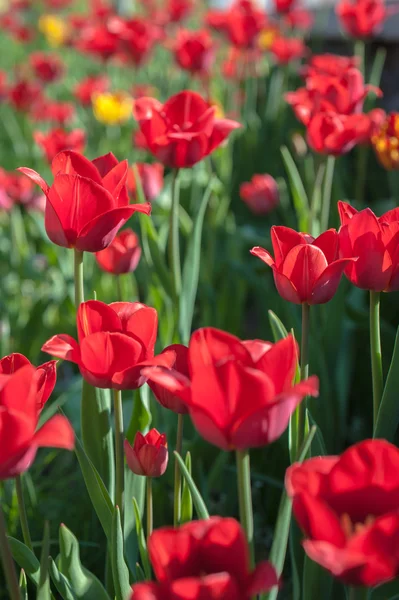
(24, 94)
(347, 506)
(19, 416)
(89, 86)
(329, 64)
(260, 194)
(151, 179)
(305, 269)
(375, 242)
(285, 50)
(204, 560)
(361, 18)
(167, 398)
(149, 454)
(239, 394)
(195, 51)
(87, 203)
(58, 140)
(284, 6)
(244, 22)
(46, 67)
(115, 342)
(15, 188)
(122, 255)
(46, 374)
(177, 10)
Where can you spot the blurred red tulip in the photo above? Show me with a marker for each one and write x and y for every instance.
(88, 86)
(149, 454)
(52, 111)
(204, 560)
(46, 67)
(136, 37)
(46, 375)
(151, 179)
(24, 94)
(3, 85)
(361, 18)
(285, 50)
(195, 51)
(375, 241)
(19, 417)
(244, 22)
(87, 203)
(217, 19)
(300, 19)
(98, 40)
(329, 64)
(123, 255)
(284, 6)
(182, 131)
(347, 506)
(177, 10)
(116, 342)
(57, 140)
(304, 269)
(260, 194)
(15, 188)
(249, 384)
(166, 398)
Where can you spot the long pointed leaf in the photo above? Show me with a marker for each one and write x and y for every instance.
(388, 414)
(198, 501)
(119, 569)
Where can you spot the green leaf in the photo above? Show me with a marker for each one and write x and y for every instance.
(85, 585)
(98, 493)
(62, 584)
(316, 581)
(318, 446)
(140, 575)
(300, 198)
(187, 500)
(43, 589)
(141, 540)
(277, 327)
(191, 270)
(141, 415)
(25, 558)
(23, 585)
(388, 414)
(199, 503)
(120, 571)
(97, 434)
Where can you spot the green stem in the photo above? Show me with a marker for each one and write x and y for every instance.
(174, 242)
(375, 348)
(8, 562)
(360, 52)
(22, 512)
(119, 288)
(149, 507)
(179, 445)
(78, 271)
(119, 454)
(358, 593)
(327, 189)
(304, 374)
(245, 499)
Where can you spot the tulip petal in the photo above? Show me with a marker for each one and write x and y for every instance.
(346, 212)
(318, 520)
(46, 378)
(36, 178)
(143, 108)
(104, 164)
(209, 346)
(280, 363)
(94, 316)
(133, 377)
(338, 561)
(63, 346)
(328, 244)
(285, 239)
(101, 231)
(327, 284)
(169, 379)
(69, 162)
(11, 363)
(308, 476)
(185, 107)
(54, 226)
(115, 180)
(285, 288)
(221, 130)
(141, 323)
(263, 255)
(57, 432)
(262, 579)
(148, 591)
(19, 392)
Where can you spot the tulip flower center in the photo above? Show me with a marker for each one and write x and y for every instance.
(352, 528)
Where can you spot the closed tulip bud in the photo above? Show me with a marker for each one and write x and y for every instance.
(122, 256)
(149, 454)
(260, 194)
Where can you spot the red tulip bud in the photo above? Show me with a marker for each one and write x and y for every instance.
(149, 454)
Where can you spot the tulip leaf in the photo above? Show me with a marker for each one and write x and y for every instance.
(62, 584)
(98, 493)
(120, 571)
(277, 327)
(300, 198)
(387, 591)
(25, 558)
(43, 588)
(388, 414)
(23, 585)
(191, 270)
(141, 414)
(318, 446)
(187, 500)
(85, 585)
(282, 529)
(141, 540)
(316, 581)
(140, 575)
(198, 501)
(134, 488)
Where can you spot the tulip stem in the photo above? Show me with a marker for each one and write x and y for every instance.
(8, 562)
(22, 512)
(327, 190)
(358, 593)
(149, 507)
(174, 243)
(376, 356)
(119, 288)
(300, 410)
(245, 499)
(119, 453)
(179, 445)
(79, 285)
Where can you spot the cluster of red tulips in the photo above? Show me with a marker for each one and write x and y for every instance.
(238, 394)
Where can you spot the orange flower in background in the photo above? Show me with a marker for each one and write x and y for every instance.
(386, 142)
(123, 255)
(57, 140)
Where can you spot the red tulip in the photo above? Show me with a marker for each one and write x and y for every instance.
(52, 111)
(98, 40)
(300, 19)
(182, 131)
(46, 67)
(167, 398)
(239, 394)
(260, 194)
(46, 375)
(122, 255)
(136, 37)
(375, 241)
(347, 507)
(244, 21)
(195, 51)
(115, 342)
(305, 269)
(329, 64)
(149, 454)
(19, 417)
(15, 188)
(284, 6)
(57, 140)
(85, 89)
(287, 49)
(204, 560)
(23, 94)
(151, 178)
(361, 18)
(177, 10)
(87, 203)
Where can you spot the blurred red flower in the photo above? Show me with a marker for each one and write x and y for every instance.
(195, 51)
(386, 142)
(361, 18)
(203, 560)
(97, 39)
(24, 94)
(88, 86)
(46, 375)
(260, 194)
(304, 269)
(299, 18)
(165, 397)
(285, 50)
(244, 21)
(136, 37)
(329, 64)
(122, 255)
(57, 140)
(87, 203)
(177, 10)
(347, 507)
(284, 6)
(116, 342)
(15, 188)
(149, 454)
(375, 241)
(52, 111)
(46, 67)
(19, 417)
(151, 178)
(239, 394)
(182, 131)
